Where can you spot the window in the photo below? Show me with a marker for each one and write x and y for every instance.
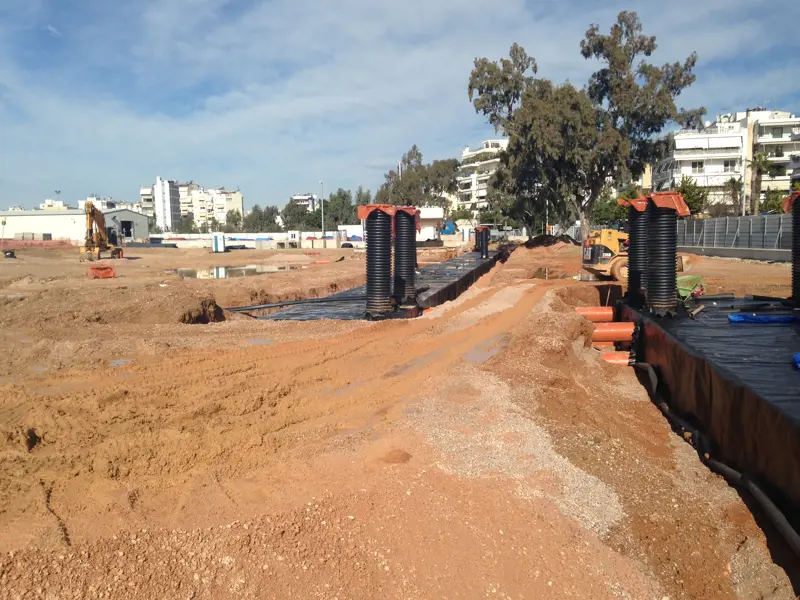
(730, 166)
(778, 151)
(777, 132)
(697, 167)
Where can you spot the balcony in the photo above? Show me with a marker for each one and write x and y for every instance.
(707, 153)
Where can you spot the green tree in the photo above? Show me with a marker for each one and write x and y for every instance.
(363, 196)
(233, 219)
(696, 197)
(214, 225)
(294, 216)
(607, 210)
(566, 143)
(733, 188)
(759, 166)
(152, 226)
(461, 214)
(773, 201)
(419, 184)
(260, 220)
(339, 209)
(187, 226)
(204, 228)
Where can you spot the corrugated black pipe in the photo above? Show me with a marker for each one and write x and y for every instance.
(405, 256)
(379, 263)
(796, 251)
(637, 254)
(701, 443)
(662, 259)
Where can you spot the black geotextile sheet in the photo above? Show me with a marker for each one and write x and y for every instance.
(446, 281)
(738, 381)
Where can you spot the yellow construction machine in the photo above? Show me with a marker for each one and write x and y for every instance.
(605, 254)
(96, 236)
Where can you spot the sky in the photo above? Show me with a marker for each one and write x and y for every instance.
(274, 96)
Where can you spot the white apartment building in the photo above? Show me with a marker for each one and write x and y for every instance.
(725, 150)
(50, 204)
(777, 136)
(477, 167)
(711, 157)
(166, 199)
(205, 204)
(307, 200)
(147, 201)
(104, 204)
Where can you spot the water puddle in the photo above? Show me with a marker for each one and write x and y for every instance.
(230, 272)
(483, 352)
(119, 362)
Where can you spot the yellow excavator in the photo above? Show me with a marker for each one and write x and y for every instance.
(96, 236)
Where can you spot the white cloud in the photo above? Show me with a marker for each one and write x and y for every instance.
(274, 96)
(53, 31)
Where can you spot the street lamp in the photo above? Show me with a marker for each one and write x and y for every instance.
(58, 195)
(322, 208)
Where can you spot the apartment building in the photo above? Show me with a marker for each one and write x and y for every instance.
(147, 201)
(477, 167)
(50, 204)
(724, 150)
(777, 136)
(710, 157)
(307, 200)
(205, 204)
(105, 204)
(166, 201)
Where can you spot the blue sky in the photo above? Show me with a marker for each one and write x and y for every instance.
(273, 96)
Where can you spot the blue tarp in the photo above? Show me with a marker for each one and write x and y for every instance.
(751, 318)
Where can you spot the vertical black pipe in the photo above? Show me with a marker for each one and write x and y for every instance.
(485, 243)
(796, 250)
(379, 263)
(637, 253)
(662, 259)
(405, 256)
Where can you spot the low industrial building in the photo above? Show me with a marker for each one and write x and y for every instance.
(44, 225)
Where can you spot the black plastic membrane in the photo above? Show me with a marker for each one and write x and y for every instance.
(445, 281)
(737, 380)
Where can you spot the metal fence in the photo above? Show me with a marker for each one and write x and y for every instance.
(765, 236)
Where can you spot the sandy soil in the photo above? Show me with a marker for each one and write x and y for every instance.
(483, 450)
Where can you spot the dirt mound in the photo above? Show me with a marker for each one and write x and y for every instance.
(206, 311)
(550, 240)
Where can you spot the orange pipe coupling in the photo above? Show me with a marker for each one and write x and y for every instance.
(617, 358)
(597, 314)
(613, 332)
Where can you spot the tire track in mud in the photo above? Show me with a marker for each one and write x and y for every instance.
(191, 413)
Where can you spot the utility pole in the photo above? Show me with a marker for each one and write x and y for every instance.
(58, 195)
(322, 208)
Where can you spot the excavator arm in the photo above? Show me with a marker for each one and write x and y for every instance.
(96, 235)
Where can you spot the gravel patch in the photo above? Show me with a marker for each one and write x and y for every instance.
(490, 437)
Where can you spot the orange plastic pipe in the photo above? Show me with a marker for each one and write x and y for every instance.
(603, 344)
(613, 332)
(617, 358)
(597, 314)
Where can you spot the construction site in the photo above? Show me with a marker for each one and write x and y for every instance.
(402, 422)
